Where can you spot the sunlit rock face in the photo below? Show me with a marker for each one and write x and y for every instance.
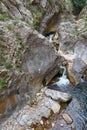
(73, 46)
(40, 60)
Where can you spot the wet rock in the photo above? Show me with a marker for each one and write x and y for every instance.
(85, 75)
(56, 95)
(61, 125)
(77, 107)
(50, 75)
(73, 126)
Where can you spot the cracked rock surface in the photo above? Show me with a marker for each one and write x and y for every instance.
(42, 106)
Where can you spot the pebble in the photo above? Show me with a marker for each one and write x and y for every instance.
(67, 118)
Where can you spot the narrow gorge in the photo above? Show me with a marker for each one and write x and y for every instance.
(43, 65)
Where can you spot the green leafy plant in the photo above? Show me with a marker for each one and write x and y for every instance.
(8, 65)
(2, 84)
(76, 32)
(4, 17)
(31, 8)
(84, 29)
(36, 20)
(9, 26)
(27, 50)
(37, 15)
(1, 57)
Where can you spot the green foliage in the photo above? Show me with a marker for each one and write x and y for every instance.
(31, 8)
(15, 21)
(2, 84)
(9, 26)
(37, 13)
(4, 17)
(77, 32)
(79, 3)
(1, 57)
(36, 20)
(27, 50)
(8, 65)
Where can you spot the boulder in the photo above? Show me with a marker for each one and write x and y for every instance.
(76, 70)
(30, 59)
(56, 95)
(40, 60)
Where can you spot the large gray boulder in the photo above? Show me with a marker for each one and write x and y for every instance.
(40, 61)
(31, 57)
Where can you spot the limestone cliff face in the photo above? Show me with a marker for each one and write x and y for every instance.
(26, 54)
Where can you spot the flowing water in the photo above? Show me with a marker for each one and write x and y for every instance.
(77, 108)
(50, 37)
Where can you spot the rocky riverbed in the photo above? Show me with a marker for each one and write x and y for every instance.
(45, 102)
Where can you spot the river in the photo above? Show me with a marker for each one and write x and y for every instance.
(77, 108)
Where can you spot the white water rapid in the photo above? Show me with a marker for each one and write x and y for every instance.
(50, 37)
(63, 81)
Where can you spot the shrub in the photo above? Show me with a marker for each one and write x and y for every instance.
(9, 26)
(4, 17)
(79, 3)
(2, 84)
(8, 65)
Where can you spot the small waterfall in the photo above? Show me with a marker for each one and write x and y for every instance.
(82, 80)
(63, 81)
(50, 37)
(64, 70)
